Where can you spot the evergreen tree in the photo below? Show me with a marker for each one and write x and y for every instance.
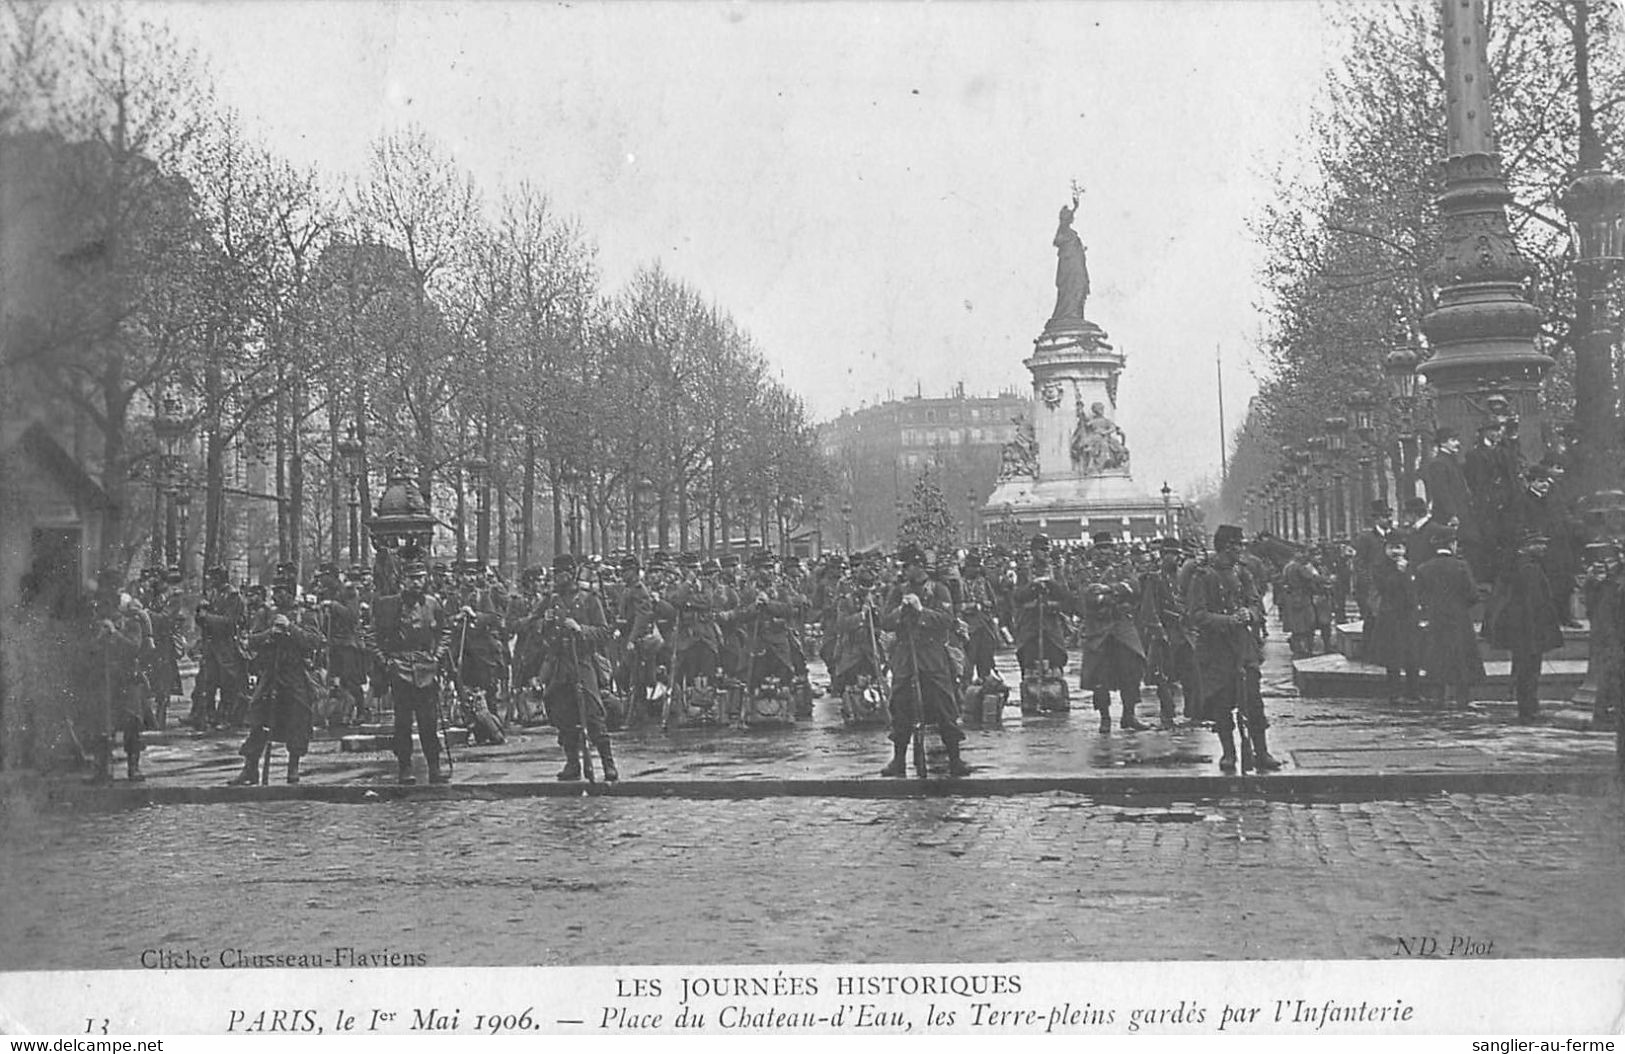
(926, 521)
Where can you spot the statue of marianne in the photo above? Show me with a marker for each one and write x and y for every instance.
(1071, 267)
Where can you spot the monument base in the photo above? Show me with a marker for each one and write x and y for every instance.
(1075, 508)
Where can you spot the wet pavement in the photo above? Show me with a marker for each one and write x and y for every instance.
(1043, 877)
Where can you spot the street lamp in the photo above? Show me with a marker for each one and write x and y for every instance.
(169, 425)
(1399, 366)
(349, 449)
(479, 476)
(1167, 510)
(1300, 471)
(970, 514)
(1336, 444)
(1317, 467)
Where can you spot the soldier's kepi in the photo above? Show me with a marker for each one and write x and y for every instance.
(1224, 608)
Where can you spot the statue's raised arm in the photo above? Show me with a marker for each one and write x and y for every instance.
(1071, 267)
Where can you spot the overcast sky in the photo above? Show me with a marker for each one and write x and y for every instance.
(870, 189)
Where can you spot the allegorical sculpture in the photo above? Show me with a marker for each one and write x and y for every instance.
(1019, 457)
(1071, 267)
(1098, 445)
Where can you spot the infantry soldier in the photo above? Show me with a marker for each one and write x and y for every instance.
(285, 637)
(1170, 655)
(1301, 584)
(634, 616)
(977, 604)
(410, 634)
(919, 611)
(1228, 617)
(527, 638)
(121, 640)
(766, 608)
(220, 614)
(825, 602)
(164, 612)
(735, 642)
(1113, 655)
(857, 620)
(479, 654)
(1041, 604)
(573, 627)
(697, 638)
(341, 619)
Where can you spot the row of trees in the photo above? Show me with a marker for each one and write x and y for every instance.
(1349, 240)
(403, 314)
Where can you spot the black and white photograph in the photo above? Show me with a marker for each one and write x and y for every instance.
(812, 518)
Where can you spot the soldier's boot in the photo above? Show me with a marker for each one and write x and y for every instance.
(572, 755)
(132, 768)
(250, 774)
(1263, 760)
(956, 764)
(607, 756)
(899, 760)
(403, 773)
(1165, 704)
(1131, 721)
(293, 768)
(1103, 705)
(1227, 759)
(436, 773)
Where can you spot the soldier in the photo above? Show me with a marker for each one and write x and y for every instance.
(766, 608)
(1170, 655)
(1300, 583)
(526, 634)
(1041, 604)
(286, 638)
(341, 623)
(857, 622)
(826, 596)
(220, 614)
(1522, 618)
(1113, 655)
(121, 643)
(735, 642)
(918, 610)
(573, 628)
(479, 653)
(634, 615)
(164, 612)
(697, 639)
(1224, 609)
(409, 639)
(976, 609)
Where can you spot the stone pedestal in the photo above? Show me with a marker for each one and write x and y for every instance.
(1075, 372)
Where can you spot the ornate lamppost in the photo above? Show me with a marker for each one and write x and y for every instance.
(1362, 408)
(1167, 510)
(846, 523)
(1300, 470)
(169, 425)
(1317, 467)
(1399, 366)
(479, 476)
(349, 449)
(1336, 445)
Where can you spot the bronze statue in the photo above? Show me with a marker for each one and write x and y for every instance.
(1019, 457)
(1098, 445)
(1071, 267)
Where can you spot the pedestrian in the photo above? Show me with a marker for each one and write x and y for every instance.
(1522, 618)
(1295, 598)
(410, 635)
(1369, 546)
(573, 630)
(920, 612)
(1228, 617)
(1392, 633)
(120, 643)
(284, 636)
(1446, 592)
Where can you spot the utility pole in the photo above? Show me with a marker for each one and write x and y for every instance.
(1224, 453)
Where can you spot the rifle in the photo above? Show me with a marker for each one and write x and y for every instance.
(670, 704)
(921, 771)
(581, 708)
(750, 666)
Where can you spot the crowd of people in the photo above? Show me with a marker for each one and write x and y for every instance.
(909, 637)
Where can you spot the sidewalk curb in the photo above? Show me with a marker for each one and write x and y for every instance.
(1278, 787)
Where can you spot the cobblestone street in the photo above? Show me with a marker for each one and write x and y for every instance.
(595, 881)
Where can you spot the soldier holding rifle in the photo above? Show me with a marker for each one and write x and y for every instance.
(284, 636)
(572, 627)
(1228, 617)
(920, 612)
(410, 640)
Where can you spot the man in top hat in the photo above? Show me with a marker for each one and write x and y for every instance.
(1225, 610)
(1492, 473)
(285, 637)
(120, 641)
(1446, 482)
(1522, 618)
(1446, 592)
(920, 613)
(1369, 547)
(220, 615)
(1170, 655)
(574, 630)
(409, 639)
(1113, 654)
